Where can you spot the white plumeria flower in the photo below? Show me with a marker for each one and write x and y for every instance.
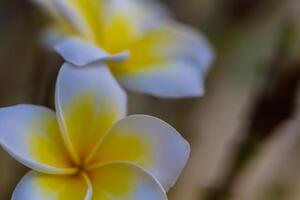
(146, 51)
(88, 150)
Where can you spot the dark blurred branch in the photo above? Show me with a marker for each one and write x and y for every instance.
(273, 105)
(45, 75)
(237, 11)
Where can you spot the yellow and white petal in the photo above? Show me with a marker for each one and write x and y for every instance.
(143, 14)
(126, 20)
(32, 136)
(37, 186)
(149, 143)
(124, 181)
(81, 53)
(91, 12)
(170, 61)
(88, 102)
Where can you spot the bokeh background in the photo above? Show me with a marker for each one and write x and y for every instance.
(244, 133)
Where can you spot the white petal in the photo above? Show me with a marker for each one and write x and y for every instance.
(177, 79)
(64, 11)
(149, 143)
(191, 44)
(80, 53)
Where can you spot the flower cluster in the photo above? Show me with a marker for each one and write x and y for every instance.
(88, 149)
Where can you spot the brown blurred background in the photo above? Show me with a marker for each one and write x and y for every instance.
(244, 133)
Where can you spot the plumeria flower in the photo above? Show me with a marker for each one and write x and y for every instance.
(89, 149)
(146, 51)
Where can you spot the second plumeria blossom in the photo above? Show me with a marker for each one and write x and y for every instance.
(146, 51)
(88, 149)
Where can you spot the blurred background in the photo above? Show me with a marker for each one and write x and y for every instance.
(244, 133)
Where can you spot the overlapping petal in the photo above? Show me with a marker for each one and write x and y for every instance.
(143, 14)
(88, 102)
(81, 53)
(147, 142)
(123, 181)
(92, 13)
(68, 20)
(37, 186)
(31, 135)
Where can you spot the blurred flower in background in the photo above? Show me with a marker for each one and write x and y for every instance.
(147, 51)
